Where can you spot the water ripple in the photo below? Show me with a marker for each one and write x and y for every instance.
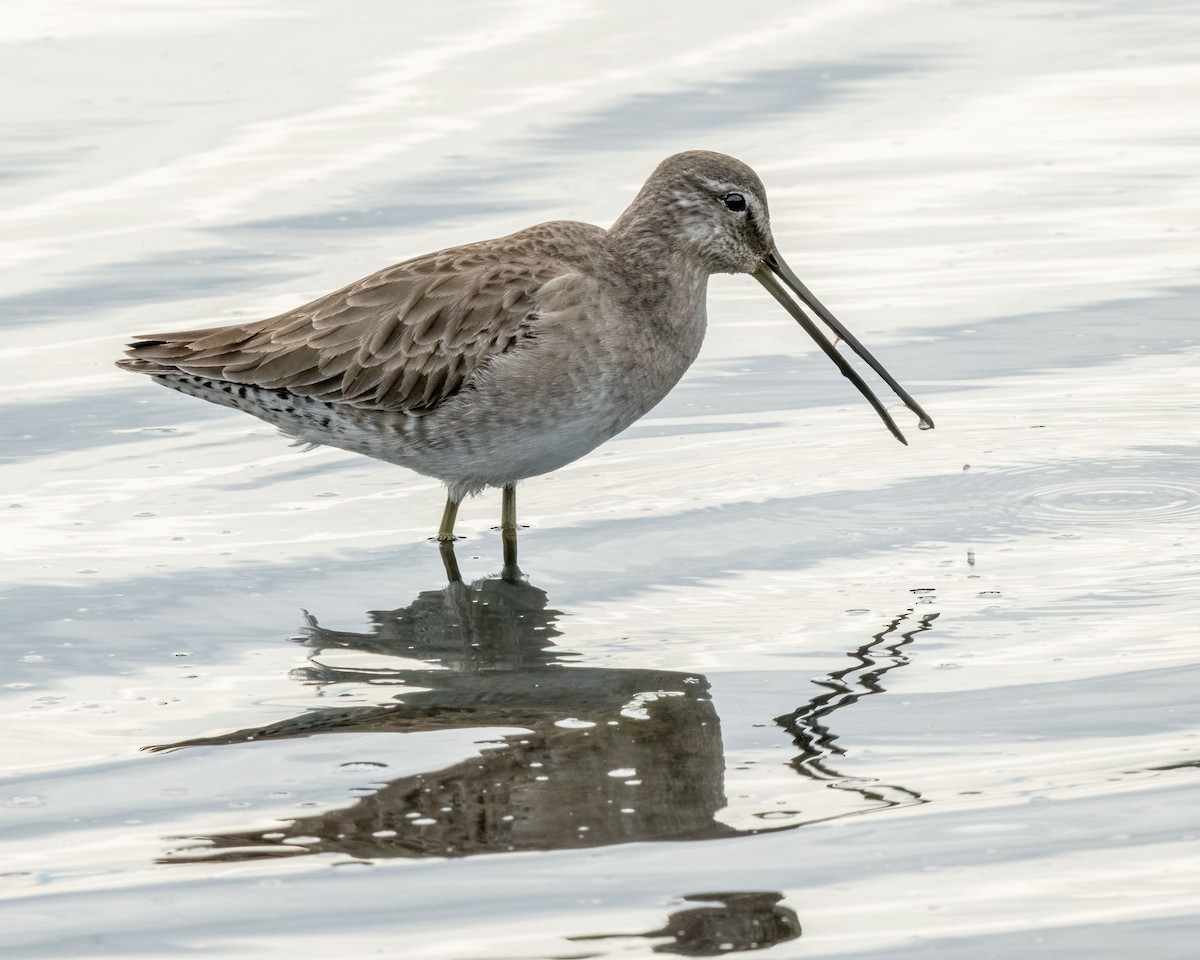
(1140, 492)
(1115, 500)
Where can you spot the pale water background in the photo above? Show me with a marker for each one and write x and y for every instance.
(775, 680)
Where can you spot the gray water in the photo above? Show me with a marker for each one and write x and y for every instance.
(773, 681)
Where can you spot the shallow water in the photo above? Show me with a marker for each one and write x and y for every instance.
(774, 681)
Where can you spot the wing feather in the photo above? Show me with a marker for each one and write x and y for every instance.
(405, 338)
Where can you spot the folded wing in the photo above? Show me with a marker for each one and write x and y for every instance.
(403, 339)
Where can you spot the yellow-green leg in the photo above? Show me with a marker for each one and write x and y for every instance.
(445, 538)
(508, 532)
(446, 530)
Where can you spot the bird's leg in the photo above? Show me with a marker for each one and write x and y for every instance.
(445, 538)
(508, 532)
(446, 530)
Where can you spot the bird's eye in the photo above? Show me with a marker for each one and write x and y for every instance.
(734, 201)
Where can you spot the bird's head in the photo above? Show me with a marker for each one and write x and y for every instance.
(705, 207)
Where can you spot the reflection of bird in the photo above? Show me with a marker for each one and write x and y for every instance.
(486, 364)
(487, 626)
(742, 921)
(606, 755)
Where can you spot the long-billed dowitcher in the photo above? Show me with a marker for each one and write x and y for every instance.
(485, 364)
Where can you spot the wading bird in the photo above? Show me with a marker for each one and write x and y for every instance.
(491, 362)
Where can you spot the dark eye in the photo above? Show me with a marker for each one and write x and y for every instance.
(734, 201)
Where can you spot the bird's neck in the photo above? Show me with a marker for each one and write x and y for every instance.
(655, 259)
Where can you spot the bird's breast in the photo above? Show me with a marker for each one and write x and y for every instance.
(587, 371)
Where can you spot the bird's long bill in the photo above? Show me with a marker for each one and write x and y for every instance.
(774, 274)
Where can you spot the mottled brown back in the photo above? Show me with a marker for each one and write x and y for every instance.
(403, 339)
